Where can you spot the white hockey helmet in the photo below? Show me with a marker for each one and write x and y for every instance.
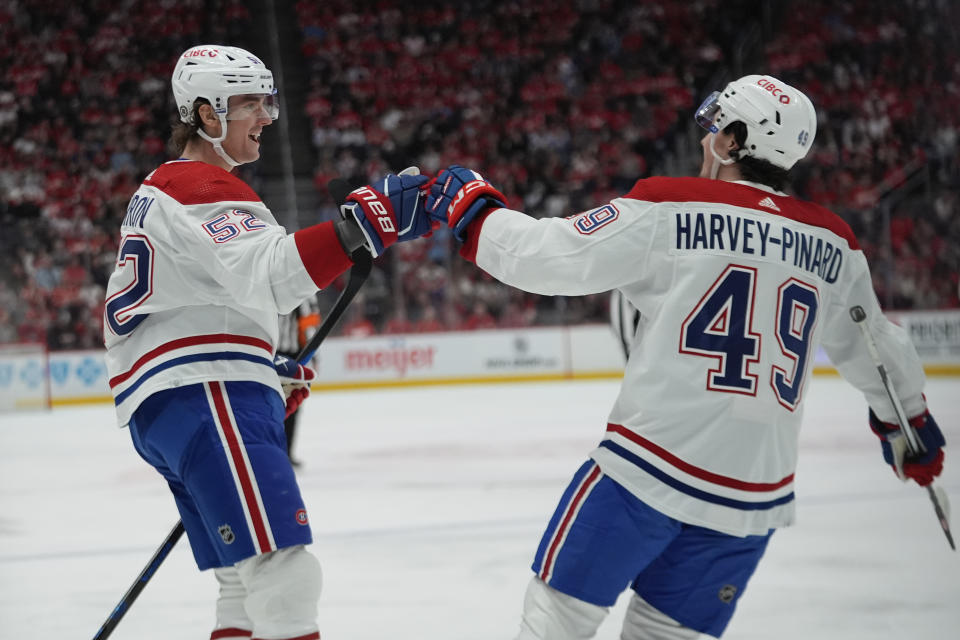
(216, 72)
(781, 121)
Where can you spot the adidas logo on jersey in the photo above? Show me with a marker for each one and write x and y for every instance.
(769, 204)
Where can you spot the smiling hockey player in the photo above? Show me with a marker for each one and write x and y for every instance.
(191, 327)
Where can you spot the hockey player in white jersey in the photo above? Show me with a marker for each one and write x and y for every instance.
(736, 285)
(191, 329)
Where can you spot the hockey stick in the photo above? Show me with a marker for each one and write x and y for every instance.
(362, 264)
(134, 591)
(941, 506)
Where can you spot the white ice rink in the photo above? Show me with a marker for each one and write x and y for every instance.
(427, 506)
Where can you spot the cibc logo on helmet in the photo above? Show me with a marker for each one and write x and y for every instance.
(203, 53)
(775, 90)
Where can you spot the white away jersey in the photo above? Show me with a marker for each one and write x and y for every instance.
(736, 286)
(202, 271)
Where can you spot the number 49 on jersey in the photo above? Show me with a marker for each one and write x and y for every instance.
(720, 326)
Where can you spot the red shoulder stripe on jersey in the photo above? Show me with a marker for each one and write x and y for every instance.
(469, 248)
(661, 189)
(213, 338)
(696, 472)
(321, 253)
(200, 183)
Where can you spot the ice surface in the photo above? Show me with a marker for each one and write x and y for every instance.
(427, 505)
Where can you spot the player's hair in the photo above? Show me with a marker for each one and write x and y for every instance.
(753, 169)
(182, 133)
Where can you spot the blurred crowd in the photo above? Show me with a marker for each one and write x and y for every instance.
(85, 109)
(561, 104)
(886, 81)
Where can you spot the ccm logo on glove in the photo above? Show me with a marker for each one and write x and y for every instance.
(372, 199)
(465, 190)
(460, 195)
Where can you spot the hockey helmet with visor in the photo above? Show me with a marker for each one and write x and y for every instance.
(216, 73)
(781, 121)
(254, 106)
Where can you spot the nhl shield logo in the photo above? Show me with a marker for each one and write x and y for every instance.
(727, 593)
(226, 533)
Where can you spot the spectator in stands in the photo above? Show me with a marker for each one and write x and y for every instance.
(573, 104)
(8, 332)
(479, 318)
(358, 325)
(428, 322)
(398, 322)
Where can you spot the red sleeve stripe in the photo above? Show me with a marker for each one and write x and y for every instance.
(321, 253)
(469, 248)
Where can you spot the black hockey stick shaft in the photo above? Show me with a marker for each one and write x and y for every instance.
(134, 591)
(362, 264)
(914, 445)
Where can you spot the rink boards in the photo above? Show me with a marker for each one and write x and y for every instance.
(501, 355)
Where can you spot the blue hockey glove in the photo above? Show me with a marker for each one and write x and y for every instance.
(295, 380)
(457, 195)
(390, 210)
(924, 467)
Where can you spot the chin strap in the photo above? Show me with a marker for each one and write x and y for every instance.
(715, 169)
(218, 142)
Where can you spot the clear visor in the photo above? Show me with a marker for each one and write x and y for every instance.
(255, 105)
(706, 115)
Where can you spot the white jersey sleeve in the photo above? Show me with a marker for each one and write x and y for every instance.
(202, 271)
(568, 256)
(843, 343)
(736, 287)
